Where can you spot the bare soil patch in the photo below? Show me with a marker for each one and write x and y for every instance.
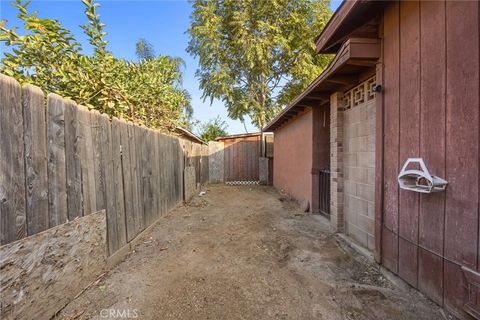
(246, 253)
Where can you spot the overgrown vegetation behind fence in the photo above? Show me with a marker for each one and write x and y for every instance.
(60, 161)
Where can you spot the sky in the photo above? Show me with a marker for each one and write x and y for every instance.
(162, 22)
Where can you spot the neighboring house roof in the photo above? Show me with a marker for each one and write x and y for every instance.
(236, 136)
(354, 56)
(189, 135)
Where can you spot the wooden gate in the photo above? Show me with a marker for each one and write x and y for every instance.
(241, 154)
(430, 108)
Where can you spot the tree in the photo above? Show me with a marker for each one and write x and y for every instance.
(144, 50)
(256, 55)
(212, 129)
(47, 55)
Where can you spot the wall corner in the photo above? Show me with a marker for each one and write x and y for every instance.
(337, 219)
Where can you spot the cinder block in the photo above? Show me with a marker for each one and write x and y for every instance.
(351, 144)
(366, 191)
(263, 170)
(371, 109)
(370, 176)
(370, 143)
(358, 235)
(216, 161)
(346, 201)
(189, 182)
(350, 159)
(357, 174)
(362, 113)
(371, 209)
(360, 205)
(350, 215)
(360, 144)
(350, 187)
(365, 223)
(370, 242)
(366, 159)
(366, 128)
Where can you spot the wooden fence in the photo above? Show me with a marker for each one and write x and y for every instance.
(241, 154)
(59, 161)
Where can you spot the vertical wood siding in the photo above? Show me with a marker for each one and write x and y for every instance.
(432, 106)
(431, 110)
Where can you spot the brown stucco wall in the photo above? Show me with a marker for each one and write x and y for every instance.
(292, 158)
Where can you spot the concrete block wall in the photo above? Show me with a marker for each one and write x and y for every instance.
(189, 182)
(216, 159)
(263, 170)
(359, 173)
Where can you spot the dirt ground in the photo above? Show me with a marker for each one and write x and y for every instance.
(246, 253)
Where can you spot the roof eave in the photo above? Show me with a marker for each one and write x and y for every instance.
(190, 135)
(348, 17)
(240, 135)
(358, 52)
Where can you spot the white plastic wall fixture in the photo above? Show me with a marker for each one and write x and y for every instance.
(419, 180)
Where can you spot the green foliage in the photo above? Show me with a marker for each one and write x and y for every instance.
(212, 129)
(144, 50)
(256, 55)
(48, 56)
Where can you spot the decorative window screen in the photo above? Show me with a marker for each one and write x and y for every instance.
(359, 94)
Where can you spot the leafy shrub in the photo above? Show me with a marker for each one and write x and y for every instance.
(47, 55)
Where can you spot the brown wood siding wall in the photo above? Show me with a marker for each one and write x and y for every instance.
(241, 158)
(431, 110)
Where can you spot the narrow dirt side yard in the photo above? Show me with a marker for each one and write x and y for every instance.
(246, 253)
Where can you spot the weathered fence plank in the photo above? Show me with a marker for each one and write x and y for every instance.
(146, 163)
(139, 137)
(98, 141)
(177, 167)
(110, 198)
(155, 175)
(56, 166)
(35, 138)
(128, 185)
(136, 195)
(170, 176)
(179, 171)
(87, 161)
(118, 182)
(73, 161)
(161, 172)
(12, 175)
